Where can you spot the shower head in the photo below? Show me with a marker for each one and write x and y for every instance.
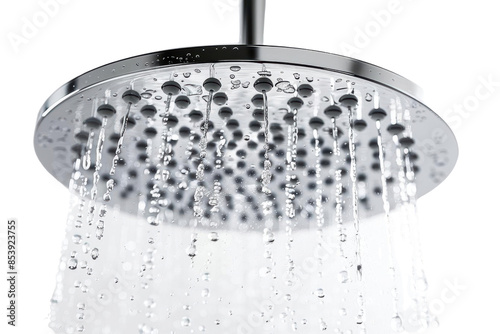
(292, 143)
(165, 95)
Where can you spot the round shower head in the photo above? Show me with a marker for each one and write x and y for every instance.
(313, 99)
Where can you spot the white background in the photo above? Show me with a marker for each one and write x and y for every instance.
(447, 47)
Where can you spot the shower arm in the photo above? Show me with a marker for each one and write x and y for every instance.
(252, 22)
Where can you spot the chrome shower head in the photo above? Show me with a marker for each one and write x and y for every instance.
(238, 138)
(166, 95)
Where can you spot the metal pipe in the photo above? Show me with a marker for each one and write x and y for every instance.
(252, 22)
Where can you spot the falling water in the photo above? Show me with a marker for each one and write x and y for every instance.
(290, 192)
(310, 288)
(396, 320)
(200, 170)
(165, 150)
(98, 165)
(355, 214)
(217, 187)
(266, 173)
(120, 140)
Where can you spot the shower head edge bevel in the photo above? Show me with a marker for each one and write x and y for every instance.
(233, 53)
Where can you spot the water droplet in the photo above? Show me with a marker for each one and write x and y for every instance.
(94, 253)
(72, 264)
(186, 74)
(343, 276)
(205, 293)
(213, 236)
(268, 236)
(296, 76)
(191, 250)
(150, 303)
(322, 325)
(147, 94)
(235, 68)
(397, 324)
(319, 293)
(77, 239)
(185, 322)
(205, 277)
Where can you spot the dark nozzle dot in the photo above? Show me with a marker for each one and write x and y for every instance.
(252, 145)
(263, 84)
(77, 148)
(220, 98)
(305, 90)
(216, 135)
(148, 111)
(237, 135)
(377, 114)
(171, 88)
(406, 142)
(395, 129)
(114, 137)
(295, 103)
(225, 112)
(316, 123)
(150, 132)
(254, 125)
(258, 114)
(348, 100)
(258, 100)
(373, 143)
(92, 123)
(112, 150)
(195, 115)
(359, 124)
(141, 145)
(333, 111)
(184, 132)
(131, 96)
(182, 102)
(278, 139)
(106, 110)
(210, 125)
(413, 156)
(288, 118)
(82, 136)
(130, 121)
(232, 124)
(212, 84)
(275, 128)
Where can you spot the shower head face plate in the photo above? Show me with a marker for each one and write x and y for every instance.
(307, 80)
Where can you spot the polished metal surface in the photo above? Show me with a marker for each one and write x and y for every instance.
(234, 53)
(252, 22)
